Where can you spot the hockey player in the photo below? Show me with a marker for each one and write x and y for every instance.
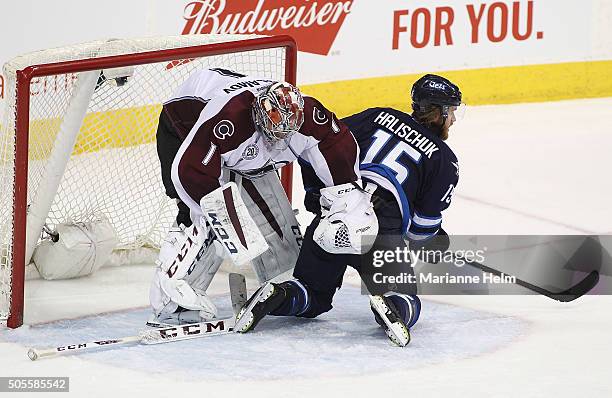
(223, 132)
(415, 173)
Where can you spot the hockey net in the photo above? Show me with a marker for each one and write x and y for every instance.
(88, 142)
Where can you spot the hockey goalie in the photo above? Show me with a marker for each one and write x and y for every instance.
(220, 140)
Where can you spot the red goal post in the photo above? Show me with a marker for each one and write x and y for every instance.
(13, 254)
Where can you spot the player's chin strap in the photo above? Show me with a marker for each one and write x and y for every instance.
(444, 111)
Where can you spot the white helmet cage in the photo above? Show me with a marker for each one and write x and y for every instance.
(279, 111)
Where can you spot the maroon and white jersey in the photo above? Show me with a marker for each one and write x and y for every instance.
(212, 113)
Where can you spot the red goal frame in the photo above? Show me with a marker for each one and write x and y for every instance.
(24, 78)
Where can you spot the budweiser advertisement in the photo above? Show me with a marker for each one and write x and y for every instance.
(344, 39)
(313, 24)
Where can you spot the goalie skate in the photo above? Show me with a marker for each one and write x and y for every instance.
(390, 320)
(265, 300)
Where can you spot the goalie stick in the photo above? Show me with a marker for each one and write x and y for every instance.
(151, 336)
(572, 293)
(167, 334)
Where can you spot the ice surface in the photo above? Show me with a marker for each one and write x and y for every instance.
(525, 169)
(343, 342)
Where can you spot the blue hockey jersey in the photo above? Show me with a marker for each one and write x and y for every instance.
(405, 158)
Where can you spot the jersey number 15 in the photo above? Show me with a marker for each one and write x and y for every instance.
(381, 138)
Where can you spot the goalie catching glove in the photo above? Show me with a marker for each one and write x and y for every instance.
(348, 223)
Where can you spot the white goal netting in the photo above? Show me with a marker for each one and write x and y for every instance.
(112, 170)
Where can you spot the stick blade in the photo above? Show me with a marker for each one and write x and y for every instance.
(579, 289)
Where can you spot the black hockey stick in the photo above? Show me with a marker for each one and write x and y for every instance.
(570, 294)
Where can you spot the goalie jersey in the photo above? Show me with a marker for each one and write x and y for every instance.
(405, 158)
(211, 113)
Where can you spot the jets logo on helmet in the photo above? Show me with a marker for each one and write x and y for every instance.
(434, 90)
(439, 86)
(279, 111)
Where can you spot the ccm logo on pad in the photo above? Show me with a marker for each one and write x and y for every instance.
(224, 237)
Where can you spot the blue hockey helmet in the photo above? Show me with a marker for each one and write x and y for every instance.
(433, 90)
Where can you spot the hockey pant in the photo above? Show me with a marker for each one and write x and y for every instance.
(319, 274)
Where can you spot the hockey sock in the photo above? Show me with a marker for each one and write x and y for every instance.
(297, 300)
(409, 307)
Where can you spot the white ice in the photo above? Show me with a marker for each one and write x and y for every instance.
(525, 169)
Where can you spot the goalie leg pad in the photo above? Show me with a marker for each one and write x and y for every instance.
(275, 218)
(187, 263)
(231, 222)
(167, 295)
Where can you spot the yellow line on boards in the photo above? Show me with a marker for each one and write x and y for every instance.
(504, 85)
(120, 128)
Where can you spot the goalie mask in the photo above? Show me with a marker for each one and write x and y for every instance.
(279, 112)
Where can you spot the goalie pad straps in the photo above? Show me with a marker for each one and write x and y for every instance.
(231, 222)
